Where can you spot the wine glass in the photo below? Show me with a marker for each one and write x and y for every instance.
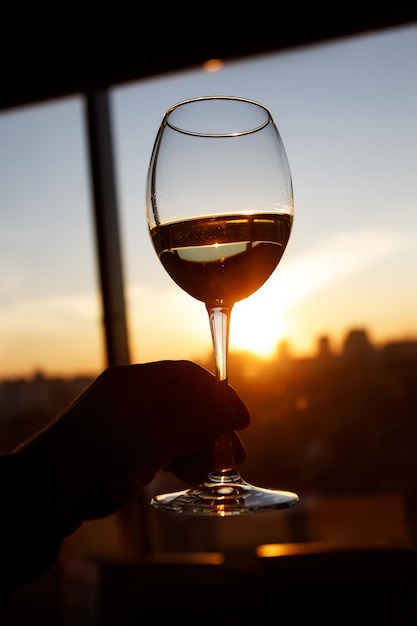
(219, 205)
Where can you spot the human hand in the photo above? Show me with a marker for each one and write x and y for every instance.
(131, 422)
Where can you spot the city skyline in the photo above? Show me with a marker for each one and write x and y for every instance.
(355, 338)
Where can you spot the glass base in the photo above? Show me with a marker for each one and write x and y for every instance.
(224, 493)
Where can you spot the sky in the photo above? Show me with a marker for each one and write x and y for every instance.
(347, 114)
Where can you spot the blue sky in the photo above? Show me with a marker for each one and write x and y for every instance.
(347, 114)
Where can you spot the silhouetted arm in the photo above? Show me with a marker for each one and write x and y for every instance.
(108, 444)
(30, 540)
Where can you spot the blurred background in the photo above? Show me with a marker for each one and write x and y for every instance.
(325, 354)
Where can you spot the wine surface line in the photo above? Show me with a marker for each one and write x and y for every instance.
(225, 258)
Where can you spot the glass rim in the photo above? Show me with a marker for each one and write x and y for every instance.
(167, 121)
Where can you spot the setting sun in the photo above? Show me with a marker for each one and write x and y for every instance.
(257, 326)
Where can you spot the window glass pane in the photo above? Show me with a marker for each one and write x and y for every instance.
(49, 301)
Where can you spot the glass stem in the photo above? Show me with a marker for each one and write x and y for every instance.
(219, 317)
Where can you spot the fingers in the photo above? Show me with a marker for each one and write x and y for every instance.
(177, 411)
(164, 390)
(185, 432)
(194, 468)
(174, 387)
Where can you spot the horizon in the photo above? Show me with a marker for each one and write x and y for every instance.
(283, 351)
